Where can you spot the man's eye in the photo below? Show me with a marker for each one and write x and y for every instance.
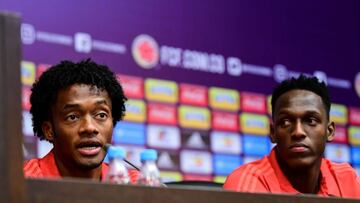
(101, 116)
(284, 122)
(71, 117)
(312, 121)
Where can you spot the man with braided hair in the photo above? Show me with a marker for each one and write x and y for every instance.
(75, 106)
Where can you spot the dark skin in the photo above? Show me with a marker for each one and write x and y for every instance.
(81, 124)
(300, 129)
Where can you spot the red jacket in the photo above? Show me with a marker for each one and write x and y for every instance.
(265, 175)
(46, 168)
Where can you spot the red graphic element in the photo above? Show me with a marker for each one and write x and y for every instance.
(132, 86)
(161, 114)
(354, 116)
(26, 91)
(197, 177)
(253, 102)
(225, 121)
(41, 68)
(193, 95)
(146, 51)
(340, 135)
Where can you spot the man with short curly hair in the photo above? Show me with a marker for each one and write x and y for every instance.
(75, 106)
(300, 129)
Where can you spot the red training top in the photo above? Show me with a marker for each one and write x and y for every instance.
(46, 168)
(265, 175)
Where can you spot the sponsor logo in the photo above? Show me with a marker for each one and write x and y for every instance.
(338, 114)
(225, 99)
(43, 148)
(340, 135)
(27, 73)
(321, 76)
(133, 86)
(337, 152)
(198, 162)
(135, 111)
(26, 91)
(355, 155)
(193, 95)
(354, 116)
(253, 102)
(133, 154)
(254, 124)
(357, 83)
(161, 90)
(225, 121)
(256, 145)
(129, 133)
(194, 117)
(82, 42)
(269, 105)
(168, 160)
(191, 177)
(28, 33)
(41, 68)
(280, 73)
(225, 142)
(354, 135)
(167, 176)
(219, 179)
(165, 137)
(195, 139)
(162, 114)
(225, 164)
(145, 51)
(27, 128)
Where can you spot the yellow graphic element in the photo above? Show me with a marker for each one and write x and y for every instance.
(254, 124)
(161, 90)
(135, 111)
(269, 104)
(28, 73)
(225, 99)
(170, 176)
(354, 135)
(339, 114)
(219, 179)
(194, 117)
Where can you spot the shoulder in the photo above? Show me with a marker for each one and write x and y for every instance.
(346, 177)
(32, 168)
(340, 169)
(248, 177)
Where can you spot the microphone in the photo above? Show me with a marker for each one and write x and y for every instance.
(106, 147)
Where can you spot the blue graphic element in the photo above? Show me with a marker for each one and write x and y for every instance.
(355, 156)
(129, 133)
(225, 164)
(256, 145)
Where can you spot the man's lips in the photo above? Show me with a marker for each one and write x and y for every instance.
(298, 148)
(89, 148)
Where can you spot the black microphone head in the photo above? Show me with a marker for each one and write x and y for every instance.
(106, 147)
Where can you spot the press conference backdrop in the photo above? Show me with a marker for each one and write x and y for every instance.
(198, 74)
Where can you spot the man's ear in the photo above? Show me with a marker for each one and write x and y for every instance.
(330, 131)
(48, 131)
(272, 132)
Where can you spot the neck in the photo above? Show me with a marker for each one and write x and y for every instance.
(304, 179)
(74, 171)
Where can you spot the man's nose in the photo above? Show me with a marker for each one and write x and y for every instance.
(298, 130)
(88, 126)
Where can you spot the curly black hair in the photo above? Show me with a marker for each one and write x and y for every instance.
(303, 83)
(45, 90)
